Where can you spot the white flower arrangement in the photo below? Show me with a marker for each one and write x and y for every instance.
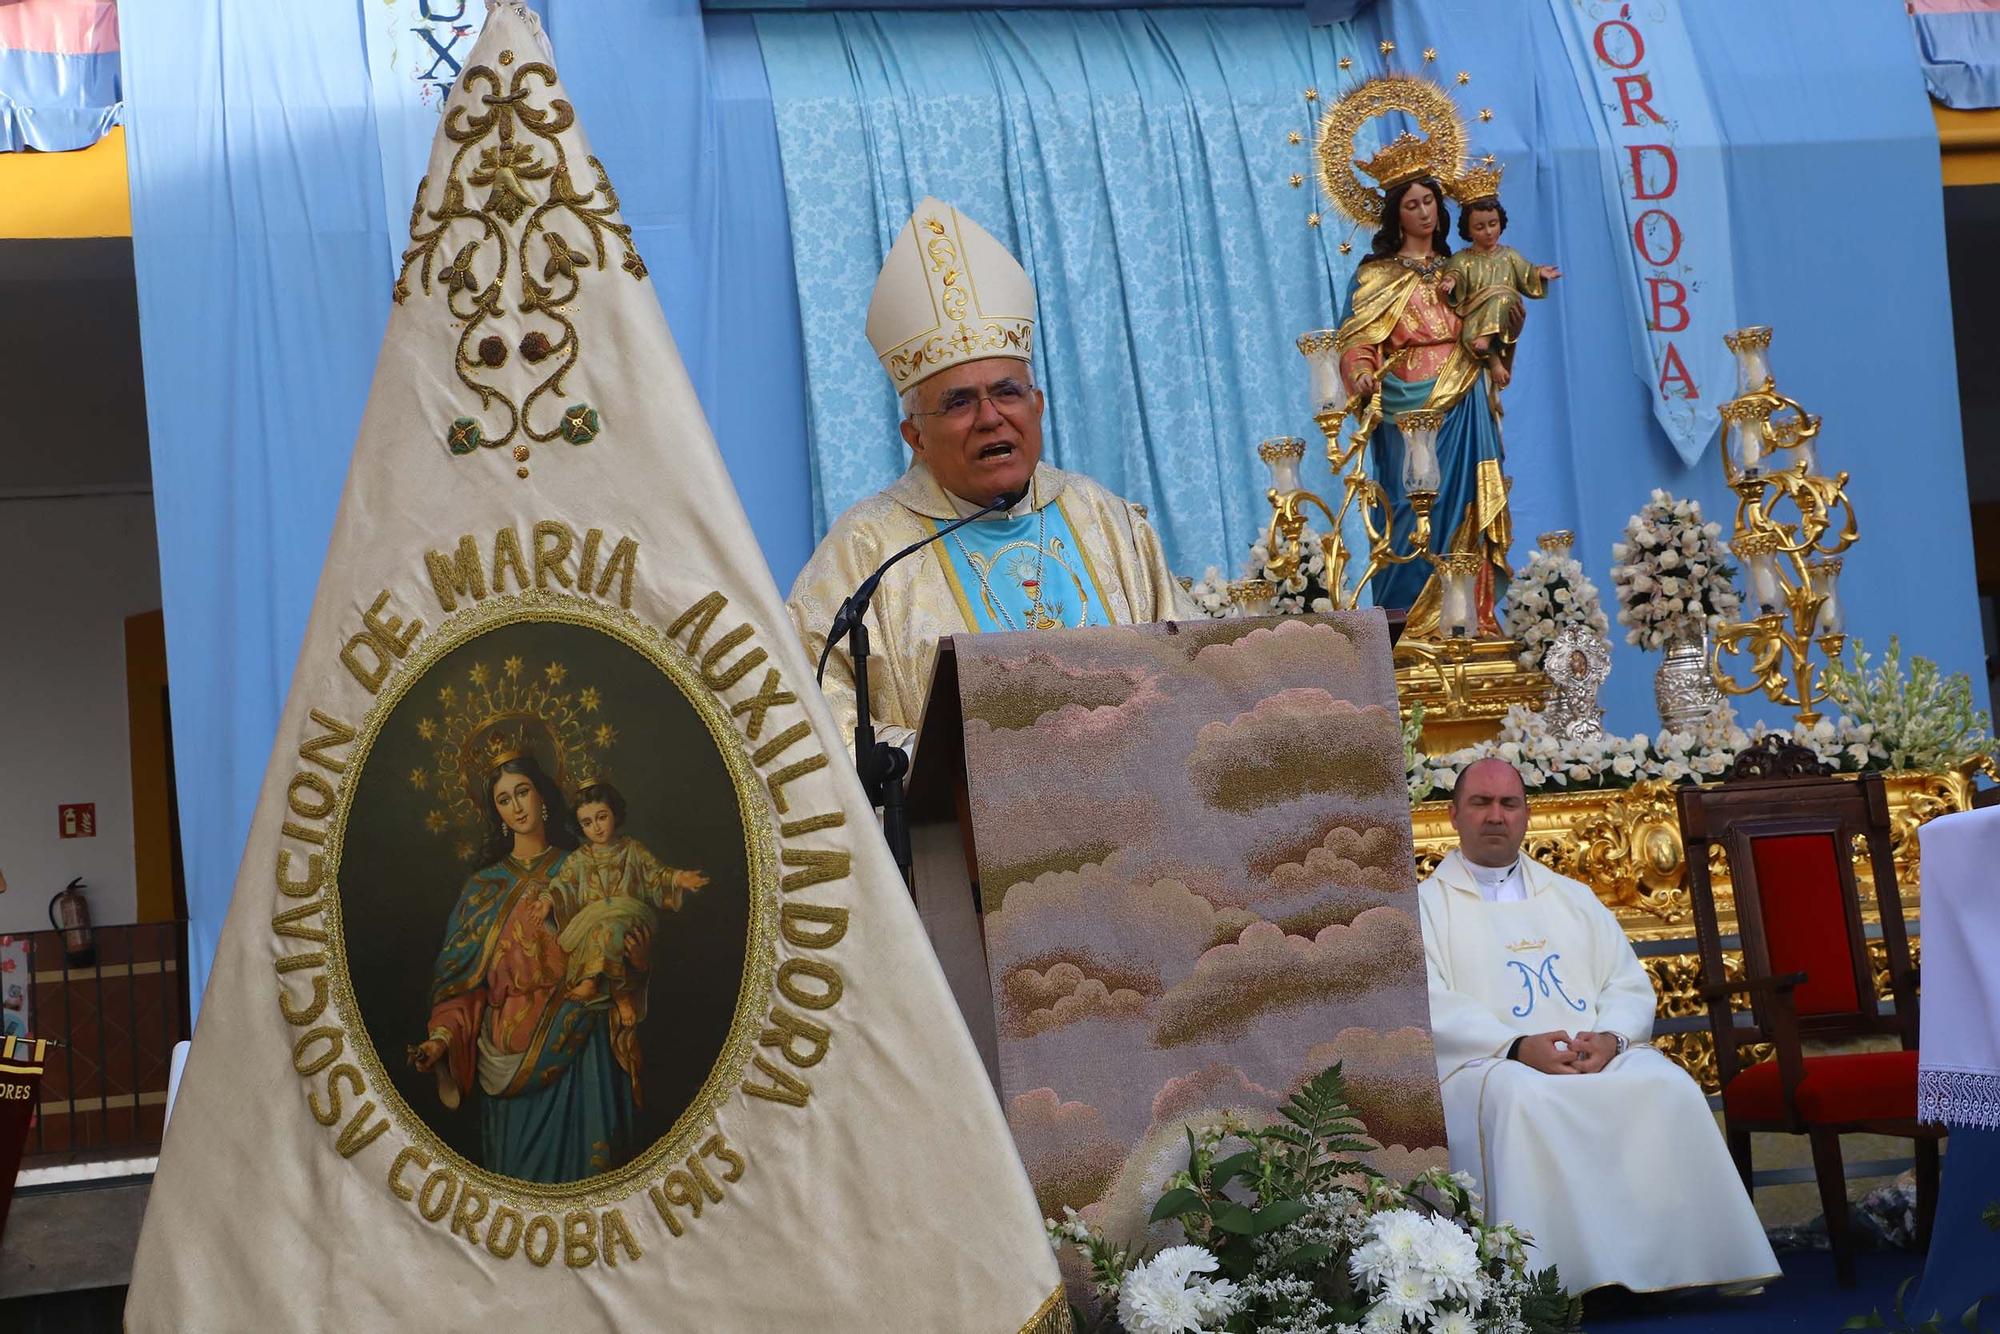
(1548, 593)
(1671, 574)
(1211, 594)
(1548, 761)
(1308, 1240)
(1165, 1295)
(1922, 720)
(1304, 590)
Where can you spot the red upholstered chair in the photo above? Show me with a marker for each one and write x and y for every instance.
(1806, 972)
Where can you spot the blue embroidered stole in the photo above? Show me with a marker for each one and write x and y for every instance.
(1022, 573)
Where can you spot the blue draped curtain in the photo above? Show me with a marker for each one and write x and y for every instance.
(1138, 163)
(1958, 42)
(260, 249)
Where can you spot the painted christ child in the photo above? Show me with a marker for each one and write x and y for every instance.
(1487, 283)
(614, 890)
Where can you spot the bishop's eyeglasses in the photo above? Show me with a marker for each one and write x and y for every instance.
(958, 406)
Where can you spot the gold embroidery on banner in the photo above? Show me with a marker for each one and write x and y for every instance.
(525, 171)
(514, 1198)
(1052, 1316)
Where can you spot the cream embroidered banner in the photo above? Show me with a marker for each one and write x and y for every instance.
(567, 982)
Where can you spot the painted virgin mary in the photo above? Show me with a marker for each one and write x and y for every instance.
(555, 1104)
(1401, 339)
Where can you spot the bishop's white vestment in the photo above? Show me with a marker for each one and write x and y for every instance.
(1082, 550)
(1620, 1176)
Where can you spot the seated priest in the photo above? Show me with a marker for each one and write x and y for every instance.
(1573, 1126)
(953, 322)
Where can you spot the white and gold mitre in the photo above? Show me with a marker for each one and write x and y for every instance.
(948, 293)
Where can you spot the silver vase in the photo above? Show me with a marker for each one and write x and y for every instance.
(1684, 690)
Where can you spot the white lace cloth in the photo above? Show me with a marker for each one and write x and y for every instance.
(1958, 1071)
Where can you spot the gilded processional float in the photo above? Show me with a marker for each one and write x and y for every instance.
(1408, 390)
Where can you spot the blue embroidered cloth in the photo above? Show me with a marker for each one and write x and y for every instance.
(1022, 573)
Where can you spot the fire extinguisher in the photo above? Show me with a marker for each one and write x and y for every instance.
(69, 913)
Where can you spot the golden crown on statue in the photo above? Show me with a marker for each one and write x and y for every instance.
(1405, 158)
(1482, 182)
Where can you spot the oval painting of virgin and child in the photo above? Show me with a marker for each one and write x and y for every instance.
(546, 899)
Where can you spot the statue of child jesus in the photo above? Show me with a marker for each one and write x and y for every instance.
(1487, 283)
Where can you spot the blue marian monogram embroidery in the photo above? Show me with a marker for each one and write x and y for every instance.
(1543, 974)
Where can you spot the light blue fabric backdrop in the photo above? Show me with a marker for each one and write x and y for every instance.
(1961, 56)
(1137, 163)
(1135, 160)
(259, 247)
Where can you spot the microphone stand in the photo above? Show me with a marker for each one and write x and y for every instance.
(882, 765)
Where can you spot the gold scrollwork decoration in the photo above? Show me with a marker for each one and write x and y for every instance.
(521, 250)
(1629, 851)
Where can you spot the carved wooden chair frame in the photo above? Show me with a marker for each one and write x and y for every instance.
(1780, 794)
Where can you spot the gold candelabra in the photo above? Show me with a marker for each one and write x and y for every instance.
(1291, 501)
(1791, 566)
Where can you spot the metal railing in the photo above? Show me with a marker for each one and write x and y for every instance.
(116, 1017)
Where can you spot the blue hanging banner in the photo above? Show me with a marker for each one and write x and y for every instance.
(1667, 194)
(415, 48)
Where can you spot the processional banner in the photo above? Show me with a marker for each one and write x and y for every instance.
(1199, 888)
(1666, 194)
(567, 982)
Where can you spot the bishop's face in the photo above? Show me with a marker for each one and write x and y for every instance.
(978, 427)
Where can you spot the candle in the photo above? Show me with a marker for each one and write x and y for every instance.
(1327, 391)
(1282, 455)
(1420, 460)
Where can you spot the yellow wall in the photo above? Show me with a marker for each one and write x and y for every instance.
(1970, 143)
(66, 194)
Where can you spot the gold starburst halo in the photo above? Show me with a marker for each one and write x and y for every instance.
(1386, 47)
(513, 712)
(1430, 54)
(1345, 62)
(1422, 100)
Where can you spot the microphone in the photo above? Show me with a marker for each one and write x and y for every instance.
(855, 605)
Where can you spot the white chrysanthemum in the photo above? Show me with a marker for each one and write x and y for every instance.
(1451, 1322)
(1411, 1293)
(1452, 1260)
(1149, 1304)
(1158, 1297)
